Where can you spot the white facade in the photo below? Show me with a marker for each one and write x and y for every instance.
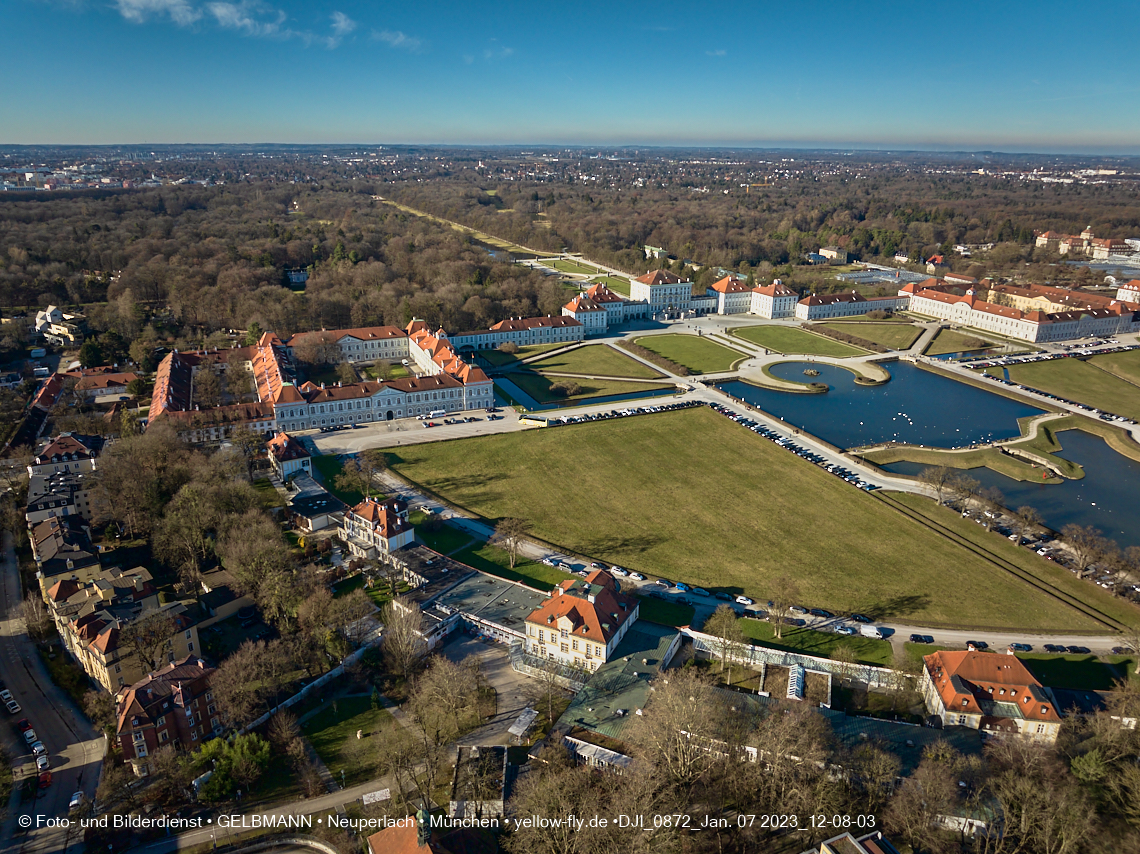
(773, 301)
(821, 308)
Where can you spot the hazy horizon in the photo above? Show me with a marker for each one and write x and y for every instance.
(1012, 78)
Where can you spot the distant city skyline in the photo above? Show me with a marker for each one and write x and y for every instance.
(1013, 77)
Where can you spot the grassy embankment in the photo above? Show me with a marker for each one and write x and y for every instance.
(789, 340)
(847, 550)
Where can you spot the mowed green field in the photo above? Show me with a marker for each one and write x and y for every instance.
(598, 360)
(615, 283)
(950, 341)
(691, 496)
(564, 266)
(1125, 365)
(538, 386)
(897, 336)
(1082, 382)
(498, 358)
(699, 355)
(788, 339)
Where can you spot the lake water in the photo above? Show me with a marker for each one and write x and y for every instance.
(1106, 497)
(916, 407)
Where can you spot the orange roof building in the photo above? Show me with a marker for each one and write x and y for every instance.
(288, 456)
(991, 692)
(1035, 313)
(733, 296)
(773, 301)
(377, 526)
(582, 622)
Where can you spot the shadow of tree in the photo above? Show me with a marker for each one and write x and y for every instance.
(897, 606)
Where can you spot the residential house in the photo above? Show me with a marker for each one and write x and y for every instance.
(220, 598)
(990, 692)
(62, 548)
(172, 707)
(60, 494)
(90, 616)
(834, 254)
(67, 452)
(311, 507)
(99, 385)
(288, 456)
(582, 621)
(377, 526)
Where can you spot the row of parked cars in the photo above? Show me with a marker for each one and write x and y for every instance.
(1092, 410)
(788, 444)
(28, 733)
(1074, 350)
(623, 413)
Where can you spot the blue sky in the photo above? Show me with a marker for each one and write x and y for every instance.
(1014, 76)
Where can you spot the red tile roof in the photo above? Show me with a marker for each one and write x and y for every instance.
(582, 304)
(967, 680)
(660, 277)
(594, 607)
(730, 285)
(363, 333)
(776, 289)
(601, 294)
(285, 448)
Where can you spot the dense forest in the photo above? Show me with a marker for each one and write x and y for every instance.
(191, 259)
(872, 218)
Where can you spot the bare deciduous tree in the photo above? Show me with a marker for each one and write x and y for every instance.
(510, 534)
(402, 645)
(149, 636)
(937, 478)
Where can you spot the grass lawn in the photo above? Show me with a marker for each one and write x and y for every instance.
(444, 540)
(563, 266)
(323, 374)
(595, 359)
(327, 467)
(699, 355)
(665, 613)
(333, 736)
(846, 549)
(498, 358)
(1078, 672)
(823, 644)
(897, 336)
(394, 372)
(495, 561)
(950, 341)
(268, 494)
(788, 339)
(1125, 365)
(538, 387)
(983, 457)
(1082, 382)
(615, 283)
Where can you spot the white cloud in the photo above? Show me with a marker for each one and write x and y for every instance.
(243, 16)
(342, 24)
(395, 38)
(716, 52)
(179, 11)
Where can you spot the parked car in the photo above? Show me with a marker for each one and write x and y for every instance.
(596, 565)
(918, 639)
(682, 586)
(30, 736)
(1123, 650)
(798, 609)
(744, 600)
(13, 707)
(700, 591)
(636, 576)
(23, 724)
(861, 618)
(978, 645)
(1021, 647)
(42, 763)
(38, 748)
(661, 582)
(1079, 650)
(846, 630)
(821, 612)
(76, 801)
(618, 571)
(722, 596)
(1052, 647)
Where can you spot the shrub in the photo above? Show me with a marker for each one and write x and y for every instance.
(509, 347)
(565, 388)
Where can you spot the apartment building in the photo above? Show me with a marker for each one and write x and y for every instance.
(582, 621)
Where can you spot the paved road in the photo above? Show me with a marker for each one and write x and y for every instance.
(75, 748)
